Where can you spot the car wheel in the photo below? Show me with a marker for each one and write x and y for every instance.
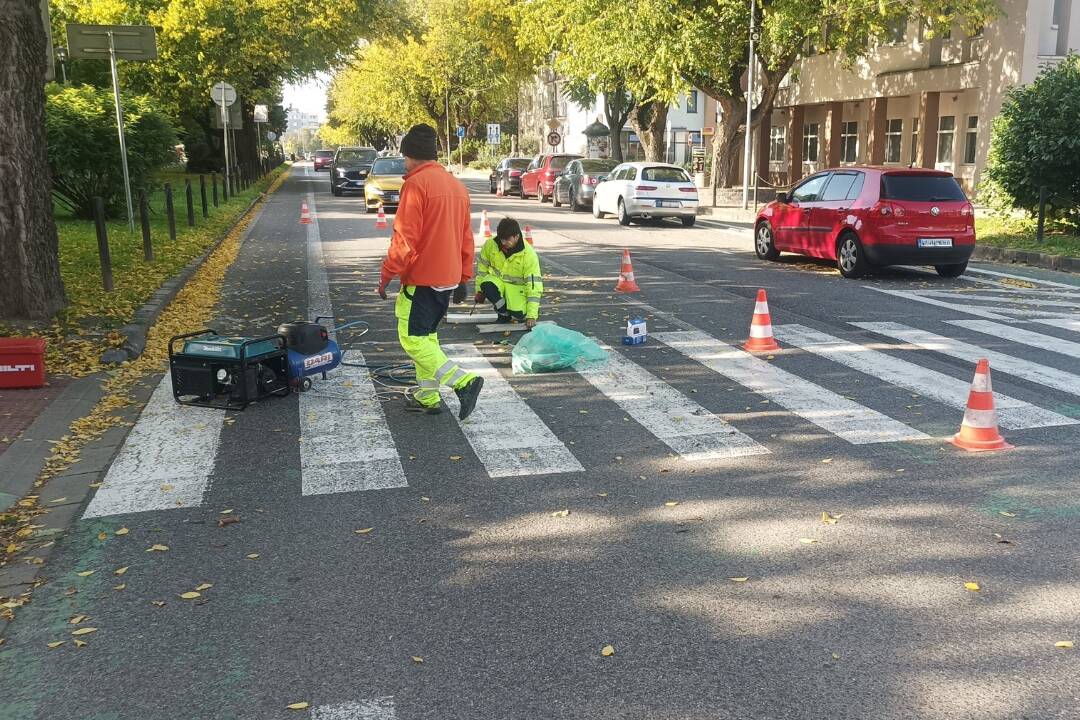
(574, 206)
(336, 190)
(850, 257)
(540, 194)
(596, 208)
(950, 271)
(688, 220)
(765, 242)
(624, 217)
(555, 198)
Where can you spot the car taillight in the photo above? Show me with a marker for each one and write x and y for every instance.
(887, 209)
(690, 189)
(967, 210)
(645, 188)
(515, 173)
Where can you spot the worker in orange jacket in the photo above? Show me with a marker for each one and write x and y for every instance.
(431, 252)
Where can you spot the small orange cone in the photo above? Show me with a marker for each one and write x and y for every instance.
(761, 337)
(528, 234)
(979, 430)
(626, 275)
(305, 214)
(380, 219)
(485, 224)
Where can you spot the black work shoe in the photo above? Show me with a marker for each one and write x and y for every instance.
(414, 405)
(504, 318)
(467, 397)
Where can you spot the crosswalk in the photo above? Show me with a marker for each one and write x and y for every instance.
(346, 443)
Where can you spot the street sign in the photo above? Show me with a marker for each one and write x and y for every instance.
(460, 131)
(261, 114)
(271, 136)
(235, 119)
(494, 133)
(223, 94)
(554, 138)
(130, 42)
(697, 158)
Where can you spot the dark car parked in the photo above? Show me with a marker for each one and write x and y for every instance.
(575, 185)
(506, 177)
(350, 169)
(539, 177)
(323, 159)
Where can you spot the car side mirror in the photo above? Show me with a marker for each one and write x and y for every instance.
(783, 197)
(602, 178)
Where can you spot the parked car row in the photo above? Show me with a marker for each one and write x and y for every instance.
(630, 191)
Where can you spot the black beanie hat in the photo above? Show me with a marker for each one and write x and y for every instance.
(419, 143)
(508, 227)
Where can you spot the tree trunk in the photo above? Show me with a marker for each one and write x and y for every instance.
(617, 108)
(649, 120)
(29, 250)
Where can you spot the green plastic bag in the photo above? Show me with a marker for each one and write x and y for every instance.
(547, 348)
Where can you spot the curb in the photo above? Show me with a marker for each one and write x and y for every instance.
(991, 253)
(135, 332)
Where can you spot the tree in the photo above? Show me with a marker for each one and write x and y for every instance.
(618, 105)
(1034, 144)
(31, 286)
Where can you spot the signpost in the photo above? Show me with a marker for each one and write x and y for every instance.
(130, 42)
(260, 115)
(223, 94)
(554, 138)
(461, 145)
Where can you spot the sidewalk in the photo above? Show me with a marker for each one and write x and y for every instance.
(20, 408)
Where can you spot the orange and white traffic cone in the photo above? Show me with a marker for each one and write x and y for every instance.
(485, 224)
(979, 430)
(761, 337)
(305, 214)
(380, 219)
(528, 234)
(626, 275)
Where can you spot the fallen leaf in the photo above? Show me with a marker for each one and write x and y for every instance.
(80, 643)
(1006, 514)
(76, 619)
(58, 500)
(601, 494)
(297, 706)
(417, 659)
(583, 412)
(190, 595)
(808, 541)
(835, 656)
(84, 631)
(972, 586)
(158, 603)
(166, 488)
(157, 548)
(827, 460)
(560, 513)
(101, 535)
(226, 512)
(86, 573)
(1064, 644)
(56, 644)
(121, 586)
(363, 531)
(829, 519)
(252, 556)
(738, 579)
(607, 651)
(425, 499)
(673, 503)
(227, 520)
(204, 586)
(122, 531)
(121, 571)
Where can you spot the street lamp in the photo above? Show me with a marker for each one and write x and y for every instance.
(61, 57)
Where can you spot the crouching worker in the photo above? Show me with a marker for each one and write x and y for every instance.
(508, 275)
(431, 251)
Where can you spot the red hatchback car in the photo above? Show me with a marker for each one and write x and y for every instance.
(866, 216)
(324, 159)
(539, 177)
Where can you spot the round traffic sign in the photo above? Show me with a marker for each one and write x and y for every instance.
(223, 94)
(554, 138)
(271, 136)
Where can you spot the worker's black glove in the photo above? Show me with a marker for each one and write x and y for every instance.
(460, 292)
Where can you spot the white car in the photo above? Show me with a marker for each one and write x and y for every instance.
(647, 190)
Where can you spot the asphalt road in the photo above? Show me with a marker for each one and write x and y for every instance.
(682, 464)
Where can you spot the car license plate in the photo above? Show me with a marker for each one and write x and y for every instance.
(935, 242)
(392, 197)
(668, 203)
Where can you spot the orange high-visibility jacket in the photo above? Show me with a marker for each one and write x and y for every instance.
(433, 238)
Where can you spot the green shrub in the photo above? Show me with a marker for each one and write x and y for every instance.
(482, 164)
(1035, 143)
(84, 150)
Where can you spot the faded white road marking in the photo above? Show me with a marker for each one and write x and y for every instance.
(1043, 299)
(842, 417)
(375, 709)
(345, 443)
(166, 460)
(1012, 413)
(1019, 335)
(1073, 325)
(999, 362)
(969, 309)
(506, 435)
(683, 425)
(1025, 278)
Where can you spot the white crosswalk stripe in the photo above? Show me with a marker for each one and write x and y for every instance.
(1019, 335)
(507, 436)
(1073, 325)
(1030, 301)
(1025, 278)
(961, 307)
(1012, 413)
(166, 460)
(376, 709)
(686, 427)
(999, 362)
(844, 418)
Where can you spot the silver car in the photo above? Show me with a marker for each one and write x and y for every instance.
(574, 185)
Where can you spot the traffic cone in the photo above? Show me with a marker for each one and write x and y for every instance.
(380, 219)
(528, 234)
(626, 275)
(485, 224)
(979, 430)
(761, 337)
(305, 214)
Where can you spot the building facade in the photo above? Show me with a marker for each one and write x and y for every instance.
(914, 100)
(299, 120)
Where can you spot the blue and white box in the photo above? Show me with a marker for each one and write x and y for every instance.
(635, 332)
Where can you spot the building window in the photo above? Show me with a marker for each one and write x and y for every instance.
(1059, 8)
(810, 142)
(946, 131)
(695, 137)
(896, 31)
(777, 143)
(691, 101)
(849, 142)
(914, 140)
(894, 131)
(971, 137)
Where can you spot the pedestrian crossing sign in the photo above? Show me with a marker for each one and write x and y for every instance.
(635, 332)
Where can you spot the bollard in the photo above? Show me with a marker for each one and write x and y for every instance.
(213, 181)
(170, 212)
(103, 244)
(189, 196)
(1042, 214)
(202, 196)
(144, 220)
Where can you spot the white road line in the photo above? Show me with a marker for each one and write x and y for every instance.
(1012, 413)
(1023, 277)
(999, 362)
(683, 425)
(969, 309)
(345, 443)
(375, 709)
(1019, 335)
(844, 418)
(1047, 299)
(1073, 325)
(166, 460)
(508, 437)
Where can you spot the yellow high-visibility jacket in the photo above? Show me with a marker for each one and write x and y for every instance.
(517, 277)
